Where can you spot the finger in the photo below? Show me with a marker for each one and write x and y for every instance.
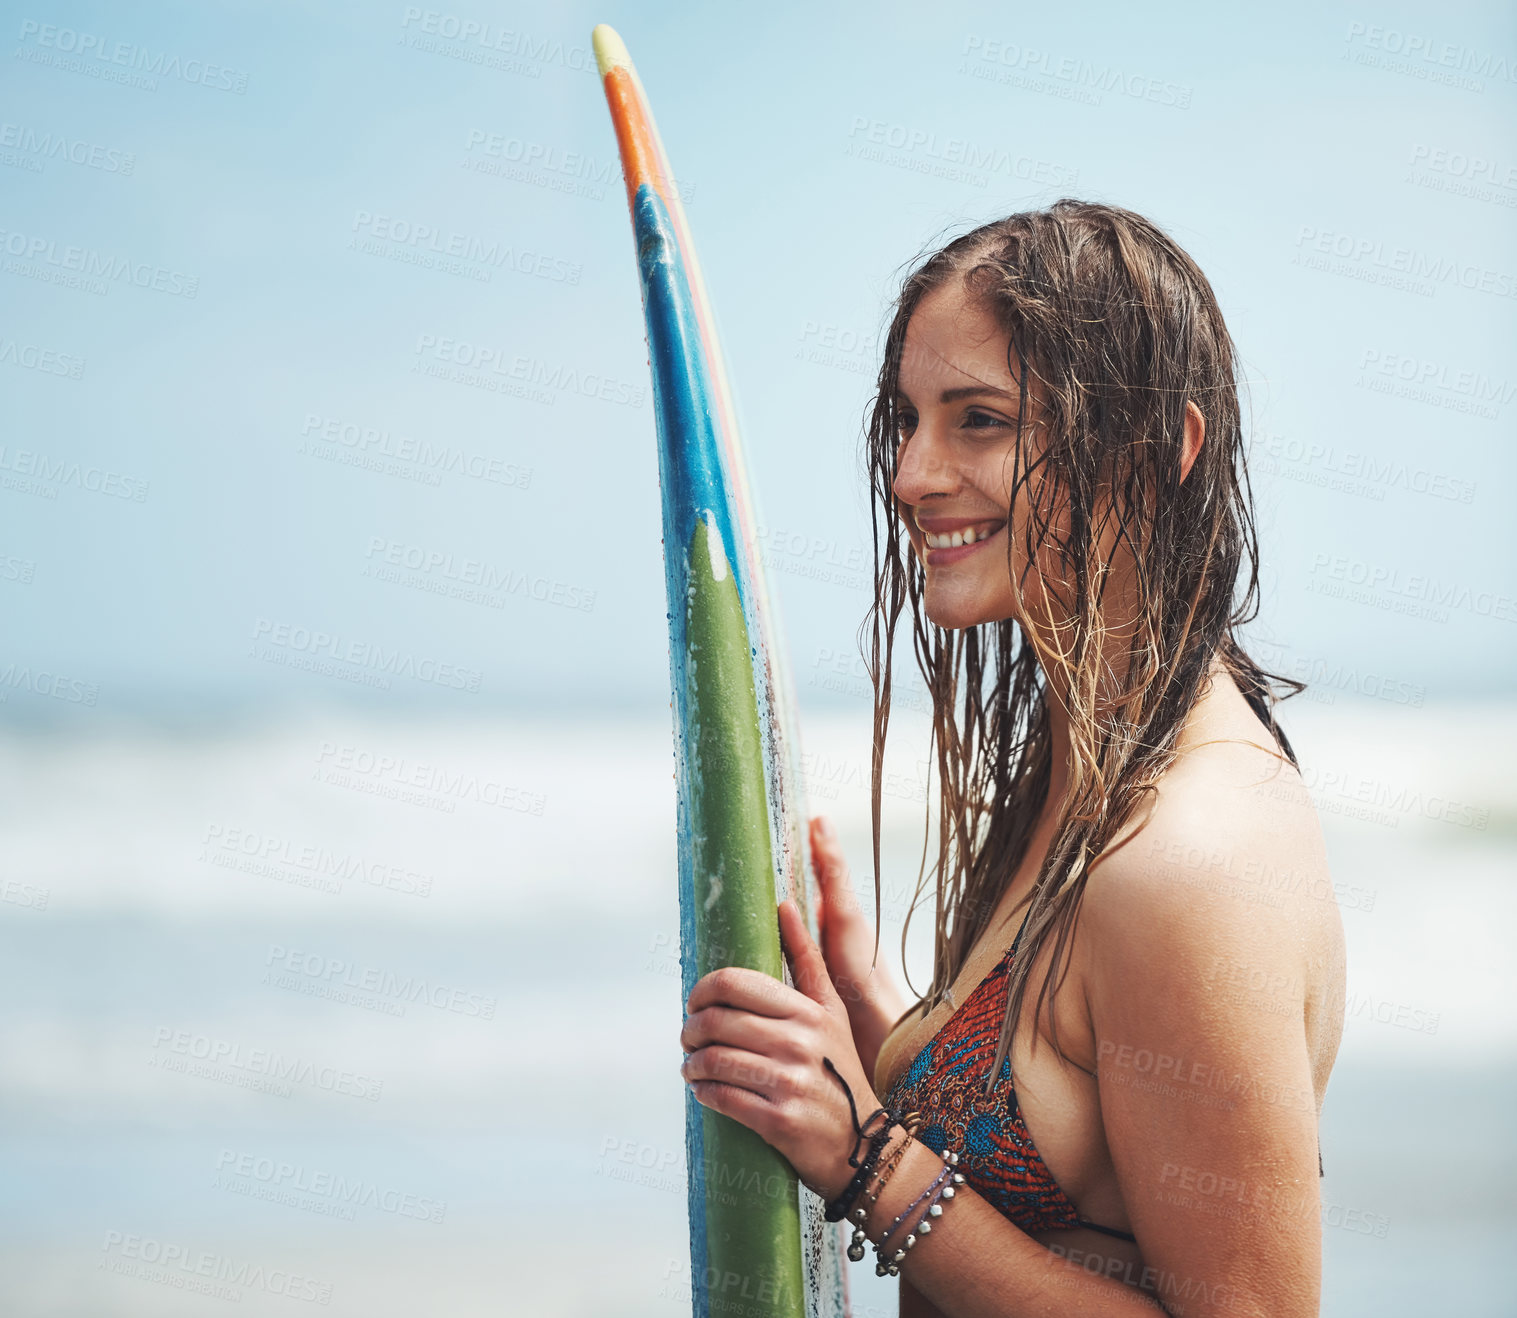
(743, 989)
(820, 904)
(807, 965)
(737, 1068)
(741, 1105)
(831, 868)
(734, 1029)
(825, 851)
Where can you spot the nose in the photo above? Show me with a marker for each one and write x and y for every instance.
(924, 467)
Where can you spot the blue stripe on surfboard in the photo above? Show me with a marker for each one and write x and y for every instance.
(692, 462)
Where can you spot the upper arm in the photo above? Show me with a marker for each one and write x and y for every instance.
(1205, 1081)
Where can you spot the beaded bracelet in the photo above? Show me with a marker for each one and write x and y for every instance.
(881, 1266)
(942, 1187)
(909, 1124)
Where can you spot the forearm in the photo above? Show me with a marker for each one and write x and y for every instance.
(975, 1264)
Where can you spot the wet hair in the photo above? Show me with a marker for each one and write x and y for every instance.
(1111, 329)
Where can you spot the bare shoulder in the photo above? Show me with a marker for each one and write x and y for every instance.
(1229, 827)
(1217, 894)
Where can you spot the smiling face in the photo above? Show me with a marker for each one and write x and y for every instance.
(957, 461)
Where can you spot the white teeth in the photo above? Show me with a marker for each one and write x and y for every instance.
(968, 536)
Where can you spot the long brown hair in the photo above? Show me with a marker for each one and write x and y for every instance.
(1112, 328)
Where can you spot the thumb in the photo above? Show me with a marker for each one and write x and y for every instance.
(807, 966)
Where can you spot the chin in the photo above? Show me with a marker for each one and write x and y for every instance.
(956, 612)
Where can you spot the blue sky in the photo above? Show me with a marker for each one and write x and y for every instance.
(307, 226)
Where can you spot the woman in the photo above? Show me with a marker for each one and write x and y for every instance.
(1137, 991)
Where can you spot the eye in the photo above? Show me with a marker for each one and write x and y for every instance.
(905, 422)
(975, 419)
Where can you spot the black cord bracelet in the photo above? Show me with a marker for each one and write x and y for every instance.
(838, 1208)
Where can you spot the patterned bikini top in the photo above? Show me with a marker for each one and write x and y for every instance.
(945, 1083)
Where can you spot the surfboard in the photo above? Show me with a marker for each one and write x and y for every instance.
(759, 1244)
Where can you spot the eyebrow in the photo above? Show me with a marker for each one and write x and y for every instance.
(968, 391)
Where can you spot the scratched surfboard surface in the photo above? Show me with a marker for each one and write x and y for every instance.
(758, 1242)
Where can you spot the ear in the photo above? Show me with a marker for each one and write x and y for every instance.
(1195, 432)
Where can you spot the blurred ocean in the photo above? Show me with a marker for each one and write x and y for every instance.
(381, 1016)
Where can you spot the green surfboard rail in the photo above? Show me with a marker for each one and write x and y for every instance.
(753, 1220)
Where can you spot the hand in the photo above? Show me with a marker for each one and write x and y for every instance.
(754, 1049)
(873, 1001)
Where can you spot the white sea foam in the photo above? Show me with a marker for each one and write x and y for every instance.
(549, 854)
